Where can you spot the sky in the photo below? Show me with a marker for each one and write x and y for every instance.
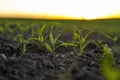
(76, 9)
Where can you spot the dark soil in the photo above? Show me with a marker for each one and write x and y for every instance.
(38, 64)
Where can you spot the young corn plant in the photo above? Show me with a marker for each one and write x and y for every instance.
(22, 42)
(41, 38)
(108, 64)
(51, 47)
(80, 41)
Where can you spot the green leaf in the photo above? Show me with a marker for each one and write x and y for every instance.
(51, 36)
(15, 38)
(114, 39)
(48, 47)
(57, 38)
(33, 39)
(22, 42)
(41, 38)
(40, 33)
(68, 44)
(41, 29)
(76, 36)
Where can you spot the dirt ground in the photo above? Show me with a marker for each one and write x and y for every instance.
(38, 64)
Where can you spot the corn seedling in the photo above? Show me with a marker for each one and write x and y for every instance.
(53, 40)
(108, 68)
(22, 42)
(41, 37)
(52, 45)
(80, 41)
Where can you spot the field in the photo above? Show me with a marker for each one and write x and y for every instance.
(59, 49)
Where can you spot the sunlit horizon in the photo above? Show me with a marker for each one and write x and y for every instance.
(60, 9)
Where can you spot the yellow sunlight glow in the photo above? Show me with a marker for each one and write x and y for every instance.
(76, 9)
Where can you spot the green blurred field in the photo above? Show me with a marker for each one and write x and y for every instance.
(111, 26)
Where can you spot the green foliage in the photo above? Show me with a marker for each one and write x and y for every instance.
(79, 40)
(108, 65)
(53, 40)
(22, 42)
(66, 44)
(40, 34)
(41, 38)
